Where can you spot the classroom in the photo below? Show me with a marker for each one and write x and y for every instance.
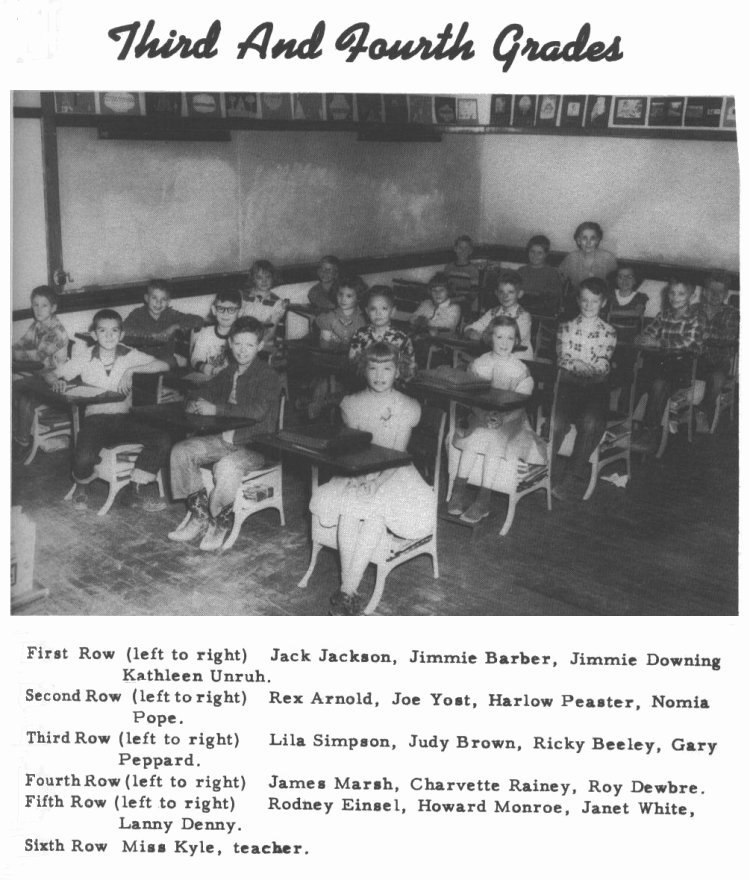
(114, 189)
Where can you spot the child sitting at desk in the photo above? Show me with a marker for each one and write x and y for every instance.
(156, 323)
(45, 342)
(542, 284)
(438, 312)
(362, 508)
(462, 271)
(721, 332)
(498, 437)
(250, 389)
(584, 352)
(260, 302)
(509, 291)
(627, 304)
(677, 328)
(322, 295)
(209, 350)
(380, 309)
(109, 365)
(336, 329)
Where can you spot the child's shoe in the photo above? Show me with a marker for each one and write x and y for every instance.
(80, 498)
(150, 499)
(218, 529)
(194, 528)
(701, 422)
(345, 604)
(460, 498)
(214, 537)
(479, 510)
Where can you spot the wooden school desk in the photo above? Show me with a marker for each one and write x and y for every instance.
(39, 388)
(173, 419)
(372, 459)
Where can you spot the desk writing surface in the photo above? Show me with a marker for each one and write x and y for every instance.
(362, 461)
(172, 416)
(41, 389)
(21, 366)
(501, 401)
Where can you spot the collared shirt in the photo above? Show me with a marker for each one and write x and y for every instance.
(517, 312)
(445, 316)
(322, 299)
(722, 328)
(341, 326)
(587, 340)
(140, 324)
(87, 364)
(264, 307)
(46, 342)
(364, 338)
(685, 332)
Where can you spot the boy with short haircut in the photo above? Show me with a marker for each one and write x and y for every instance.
(509, 291)
(209, 351)
(677, 328)
(438, 312)
(462, 271)
(721, 333)
(380, 308)
(110, 365)
(542, 284)
(45, 342)
(156, 323)
(250, 389)
(584, 353)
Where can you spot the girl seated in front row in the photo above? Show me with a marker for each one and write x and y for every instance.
(362, 508)
(498, 437)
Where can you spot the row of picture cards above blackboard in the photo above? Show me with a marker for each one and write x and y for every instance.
(611, 112)
(504, 111)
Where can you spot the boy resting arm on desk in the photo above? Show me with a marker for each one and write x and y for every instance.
(158, 323)
(109, 365)
(249, 389)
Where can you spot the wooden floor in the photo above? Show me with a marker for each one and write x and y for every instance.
(666, 545)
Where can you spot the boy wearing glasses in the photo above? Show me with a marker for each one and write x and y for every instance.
(209, 351)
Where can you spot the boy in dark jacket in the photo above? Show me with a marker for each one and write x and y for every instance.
(248, 388)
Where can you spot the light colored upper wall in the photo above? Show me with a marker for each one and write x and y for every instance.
(657, 199)
(29, 235)
(134, 209)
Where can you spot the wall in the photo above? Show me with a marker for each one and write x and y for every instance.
(29, 236)
(657, 199)
(134, 209)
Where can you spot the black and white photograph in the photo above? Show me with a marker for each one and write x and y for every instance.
(343, 384)
(431, 331)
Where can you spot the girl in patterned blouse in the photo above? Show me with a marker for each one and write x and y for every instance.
(584, 354)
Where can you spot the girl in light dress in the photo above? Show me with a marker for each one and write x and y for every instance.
(498, 437)
(398, 499)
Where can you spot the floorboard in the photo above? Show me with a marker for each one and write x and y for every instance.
(666, 545)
